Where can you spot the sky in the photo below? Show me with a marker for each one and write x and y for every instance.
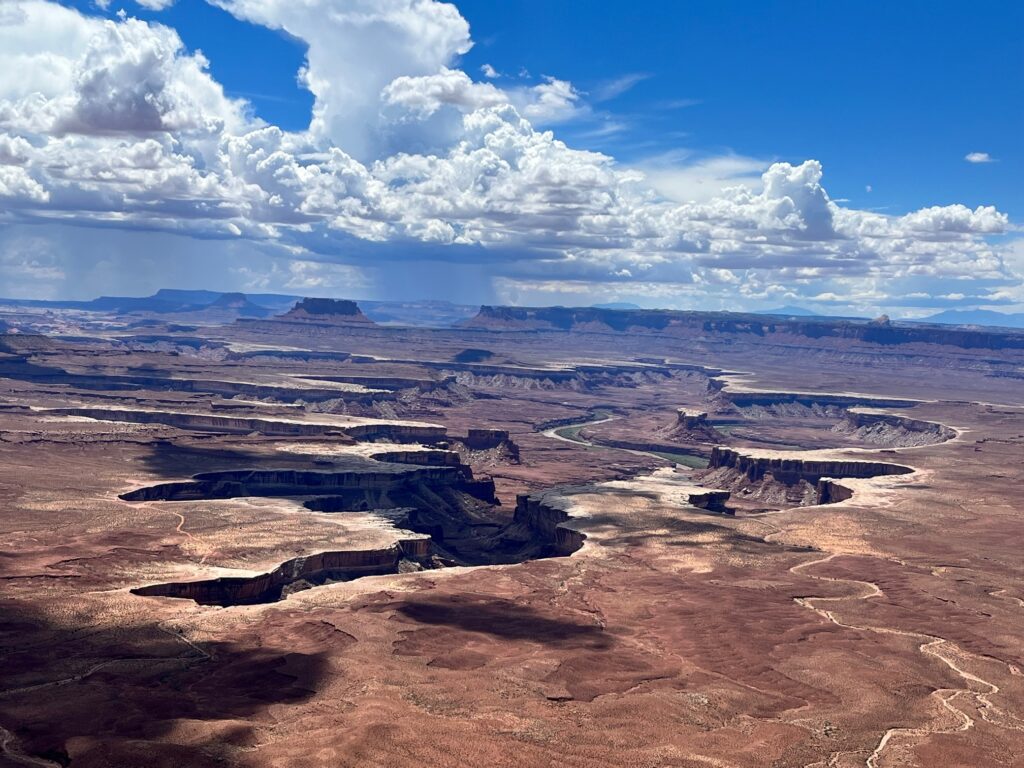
(850, 158)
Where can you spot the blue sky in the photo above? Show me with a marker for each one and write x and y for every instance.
(885, 100)
(887, 94)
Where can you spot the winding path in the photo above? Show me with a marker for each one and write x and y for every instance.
(9, 749)
(931, 647)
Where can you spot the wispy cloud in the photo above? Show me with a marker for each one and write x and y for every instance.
(611, 89)
(679, 103)
(979, 157)
(604, 130)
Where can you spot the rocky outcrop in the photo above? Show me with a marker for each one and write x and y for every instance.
(692, 426)
(881, 429)
(239, 304)
(692, 420)
(488, 446)
(452, 528)
(482, 439)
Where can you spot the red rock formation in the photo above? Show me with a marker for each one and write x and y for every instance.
(482, 439)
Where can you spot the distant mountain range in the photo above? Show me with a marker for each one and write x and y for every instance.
(983, 317)
(435, 314)
(173, 301)
(788, 311)
(222, 306)
(976, 317)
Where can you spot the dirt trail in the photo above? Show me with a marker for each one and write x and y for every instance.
(180, 528)
(934, 647)
(10, 750)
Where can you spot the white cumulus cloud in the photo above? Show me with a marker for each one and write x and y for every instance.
(114, 123)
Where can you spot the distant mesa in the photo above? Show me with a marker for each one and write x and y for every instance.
(617, 305)
(327, 310)
(739, 326)
(172, 301)
(240, 304)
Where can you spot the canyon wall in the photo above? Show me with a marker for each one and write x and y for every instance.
(546, 516)
(793, 470)
(313, 569)
(290, 482)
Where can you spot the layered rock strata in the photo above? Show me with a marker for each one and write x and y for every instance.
(783, 481)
